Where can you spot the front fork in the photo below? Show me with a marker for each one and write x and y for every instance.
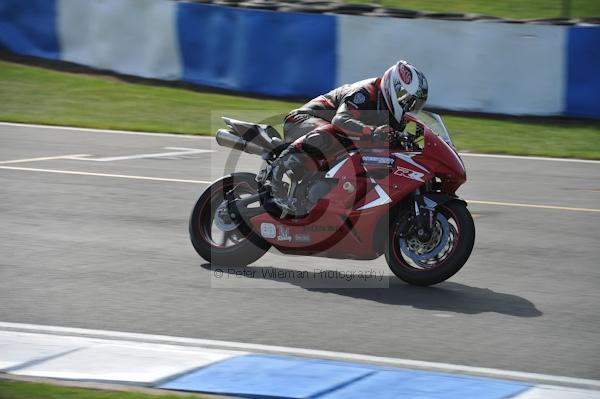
(424, 215)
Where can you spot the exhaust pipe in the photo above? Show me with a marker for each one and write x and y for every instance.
(226, 138)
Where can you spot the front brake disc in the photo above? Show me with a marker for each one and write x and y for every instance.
(421, 258)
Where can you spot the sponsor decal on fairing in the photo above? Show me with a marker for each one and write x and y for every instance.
(267, 230)
(302, 237)
(284, 234)
(409, 173)
(377, 160)
(316, 227)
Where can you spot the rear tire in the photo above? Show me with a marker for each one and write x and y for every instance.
(245, 246)
(459, 249)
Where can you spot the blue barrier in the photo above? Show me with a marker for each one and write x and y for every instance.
(29, 27)
(256, 51)
(583, 72)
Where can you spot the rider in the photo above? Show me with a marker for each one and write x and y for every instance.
(371, 110)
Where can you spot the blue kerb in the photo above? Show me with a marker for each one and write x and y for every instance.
(263, 376)
(266, 376)
(388, 384)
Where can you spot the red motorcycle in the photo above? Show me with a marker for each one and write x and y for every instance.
(398, 200)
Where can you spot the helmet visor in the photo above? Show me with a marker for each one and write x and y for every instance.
(419, 104)
(410, 103)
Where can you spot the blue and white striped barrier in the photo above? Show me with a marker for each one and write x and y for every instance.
(186, 364)
(520, 69)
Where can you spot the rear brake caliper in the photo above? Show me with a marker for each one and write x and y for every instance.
(223, 218)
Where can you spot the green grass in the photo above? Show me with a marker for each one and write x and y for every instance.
(554, 139)
(28, 390)
(36, 95)
(518, 9)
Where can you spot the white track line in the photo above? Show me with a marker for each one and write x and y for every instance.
(42, 158)
(74, 172)
(89, 130)
(82, 129)
(560, 208)
(180, 152)
(527, 158)
(433, 366)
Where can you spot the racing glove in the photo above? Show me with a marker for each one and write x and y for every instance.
(383, 134)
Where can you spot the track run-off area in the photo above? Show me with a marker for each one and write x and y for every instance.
(93, 235)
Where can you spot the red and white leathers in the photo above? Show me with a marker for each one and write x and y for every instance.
(339, 119)
(345, 117)
(353, 110)
(356, 110)
(327, 125)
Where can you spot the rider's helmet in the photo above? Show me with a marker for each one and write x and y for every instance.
(404, 89)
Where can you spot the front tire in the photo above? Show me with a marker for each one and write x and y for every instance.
(225, 243)
(454, 244)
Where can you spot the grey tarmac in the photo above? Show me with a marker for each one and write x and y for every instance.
(89, 244)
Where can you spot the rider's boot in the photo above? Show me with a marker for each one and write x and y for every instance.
(290, 163)
(299, 161)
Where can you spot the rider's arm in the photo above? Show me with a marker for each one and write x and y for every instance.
(348, 115)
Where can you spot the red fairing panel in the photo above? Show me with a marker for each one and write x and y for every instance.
(407, 174)
(344, 222)
(451, 167)
(328, 229)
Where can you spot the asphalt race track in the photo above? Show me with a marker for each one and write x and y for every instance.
(93, 234)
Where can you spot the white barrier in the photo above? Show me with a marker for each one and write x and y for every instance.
(134, 37)
(470, 66)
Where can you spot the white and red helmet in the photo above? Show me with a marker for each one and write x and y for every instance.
(404, 89)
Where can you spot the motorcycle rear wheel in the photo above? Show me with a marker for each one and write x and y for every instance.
(217, 239)
(453, 247)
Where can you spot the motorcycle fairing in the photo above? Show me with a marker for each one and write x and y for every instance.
(344, 223)
(440, 157)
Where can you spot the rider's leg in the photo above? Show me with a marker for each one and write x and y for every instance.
(305, 156)
(304, 131)
(298, 124)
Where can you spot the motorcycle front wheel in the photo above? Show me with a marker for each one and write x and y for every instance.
(434, 261)
(215, 236)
